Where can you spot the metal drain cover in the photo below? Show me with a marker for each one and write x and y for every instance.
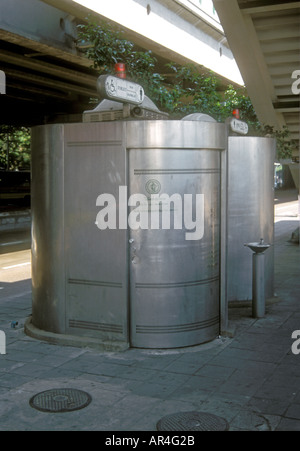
(60, 400)
(192, 421)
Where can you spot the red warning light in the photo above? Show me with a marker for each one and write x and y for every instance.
(120, 70)
(236, 113)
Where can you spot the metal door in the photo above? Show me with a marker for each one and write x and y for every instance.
(174, 280)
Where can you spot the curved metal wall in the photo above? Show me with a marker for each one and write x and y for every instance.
(47, 210)
(174, 281)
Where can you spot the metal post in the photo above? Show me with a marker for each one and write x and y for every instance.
(258, 277)
(258, 285)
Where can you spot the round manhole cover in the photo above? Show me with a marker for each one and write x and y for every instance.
(60, 400)
(192, 421)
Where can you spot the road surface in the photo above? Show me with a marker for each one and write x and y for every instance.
(15, 273)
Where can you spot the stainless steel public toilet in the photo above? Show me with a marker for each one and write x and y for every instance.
(137, 226)
(151, 287)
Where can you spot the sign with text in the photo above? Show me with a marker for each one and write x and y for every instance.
(238, 126)
(120, 90)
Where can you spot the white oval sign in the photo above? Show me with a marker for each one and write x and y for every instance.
(239, 126)
(120, 90)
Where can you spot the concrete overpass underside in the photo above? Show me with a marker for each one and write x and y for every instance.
(47, 74)
(264, 36)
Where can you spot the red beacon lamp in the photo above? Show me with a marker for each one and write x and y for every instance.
(120, 70)
(236, 125)
(236, 113)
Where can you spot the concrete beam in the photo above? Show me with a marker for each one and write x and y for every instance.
(163, 31)
(38, 21)
(51, 69)
(43, 48)
(245, 46)
(50, 83)
(264, 7)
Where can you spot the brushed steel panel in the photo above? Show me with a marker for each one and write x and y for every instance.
(174, 283)
(176, 135)
(96, 260)
(47, 209)
(250, 212)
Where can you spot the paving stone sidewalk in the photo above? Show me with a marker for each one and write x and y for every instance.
(252, 380)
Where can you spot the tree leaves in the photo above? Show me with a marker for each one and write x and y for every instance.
(14, 147)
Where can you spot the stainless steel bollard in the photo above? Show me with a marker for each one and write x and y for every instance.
(258, 278)
(258, 286)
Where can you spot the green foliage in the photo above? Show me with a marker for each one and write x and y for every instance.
(189, 91)
(193, 91)
(238, 99)
(108, 47)
(14, 143)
